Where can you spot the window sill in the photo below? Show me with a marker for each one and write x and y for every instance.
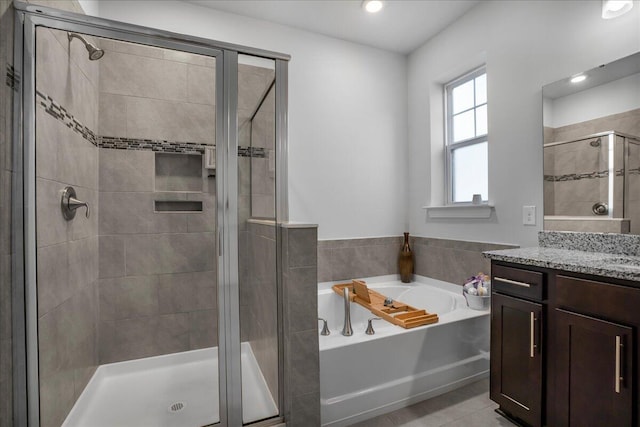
(482, 211)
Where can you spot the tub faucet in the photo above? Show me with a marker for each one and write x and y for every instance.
(346, 330)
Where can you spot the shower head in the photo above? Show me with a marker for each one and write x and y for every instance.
(595, 143)
(94, 52)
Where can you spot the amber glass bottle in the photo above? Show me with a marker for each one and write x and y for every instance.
(405, 261)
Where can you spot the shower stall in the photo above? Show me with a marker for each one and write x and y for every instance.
(595, 177)
(153, 180)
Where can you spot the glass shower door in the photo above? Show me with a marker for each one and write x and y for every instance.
(257, 240)
(126, 256)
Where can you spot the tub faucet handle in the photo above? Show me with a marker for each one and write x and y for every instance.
(325, 328)
(370, 330)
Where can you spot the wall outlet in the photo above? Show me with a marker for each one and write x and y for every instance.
(529, 215)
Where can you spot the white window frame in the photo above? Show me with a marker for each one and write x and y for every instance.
(450, 146)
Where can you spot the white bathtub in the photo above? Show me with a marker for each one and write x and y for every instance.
(363, 376)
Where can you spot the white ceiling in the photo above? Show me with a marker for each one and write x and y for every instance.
(401, 26)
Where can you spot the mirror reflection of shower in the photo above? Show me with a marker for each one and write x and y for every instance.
(95, 53)
(592, 176)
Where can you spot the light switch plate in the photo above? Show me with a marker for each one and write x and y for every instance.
(529, 215)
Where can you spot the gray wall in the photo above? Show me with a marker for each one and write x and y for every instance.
(67, 251)
(153, 93)
(263, 172)
(158, 277)
(259, 300)
(158, 290)
(6, 168)
(257, 239)
(300, 305)
(449, 260)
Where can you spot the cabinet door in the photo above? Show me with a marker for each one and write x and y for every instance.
(594, 371)
(516, 359)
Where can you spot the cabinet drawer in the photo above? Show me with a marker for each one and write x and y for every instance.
(519, 282)
(597, 298)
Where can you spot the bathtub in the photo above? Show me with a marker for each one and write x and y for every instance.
(363, 376)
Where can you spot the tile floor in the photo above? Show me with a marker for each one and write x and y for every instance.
(468, 406)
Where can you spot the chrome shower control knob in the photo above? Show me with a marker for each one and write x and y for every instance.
(600, 208)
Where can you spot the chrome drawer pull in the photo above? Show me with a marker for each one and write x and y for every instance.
(511, 282)
(619, 378)
(532, 323)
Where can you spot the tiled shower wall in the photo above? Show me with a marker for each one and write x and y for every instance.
(67, 251)
(158, 277)
(263, 169)
(577, 196)
(449, 260)
(157, 285)
(157, 94)
(627, 122)
(6, 170)
(257, 238)
(259, 300)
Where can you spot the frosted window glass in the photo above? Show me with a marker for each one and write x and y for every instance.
(481, 89)
(470, 172)
(463, 126)
(481, 120)
(463, 97)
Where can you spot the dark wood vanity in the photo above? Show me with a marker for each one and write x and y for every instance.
(564, 347)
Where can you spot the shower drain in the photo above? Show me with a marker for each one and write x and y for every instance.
(176, 407)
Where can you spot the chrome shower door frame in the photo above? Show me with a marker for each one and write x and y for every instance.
(25, 329)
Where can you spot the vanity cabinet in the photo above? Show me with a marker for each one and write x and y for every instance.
(517, 316)
(516, 362)
(566, 355)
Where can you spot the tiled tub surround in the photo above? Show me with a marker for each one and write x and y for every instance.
(258, 313)
(300, 306)
(67, 251)
(448, 260)
(601, 254)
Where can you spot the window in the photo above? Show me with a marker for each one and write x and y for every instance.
(467, 137)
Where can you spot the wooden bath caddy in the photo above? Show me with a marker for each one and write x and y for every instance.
(398, 313)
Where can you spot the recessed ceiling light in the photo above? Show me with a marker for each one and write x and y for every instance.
(614, 8)
(372, 6)
(579, 78)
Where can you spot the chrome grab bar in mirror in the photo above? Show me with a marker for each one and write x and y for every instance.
(69, 204)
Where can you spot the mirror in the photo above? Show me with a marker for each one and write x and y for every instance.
(592, 149)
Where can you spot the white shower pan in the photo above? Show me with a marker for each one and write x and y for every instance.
(173, 390)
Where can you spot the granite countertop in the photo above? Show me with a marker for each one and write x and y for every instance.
(619, 266)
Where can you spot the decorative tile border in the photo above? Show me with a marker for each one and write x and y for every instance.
(60, 113)
(255, 152)
(12, 80)
(591, 175)
(121, 143)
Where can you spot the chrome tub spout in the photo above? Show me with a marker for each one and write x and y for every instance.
(347, 331)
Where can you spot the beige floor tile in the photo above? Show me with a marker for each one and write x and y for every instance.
(468, 406)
